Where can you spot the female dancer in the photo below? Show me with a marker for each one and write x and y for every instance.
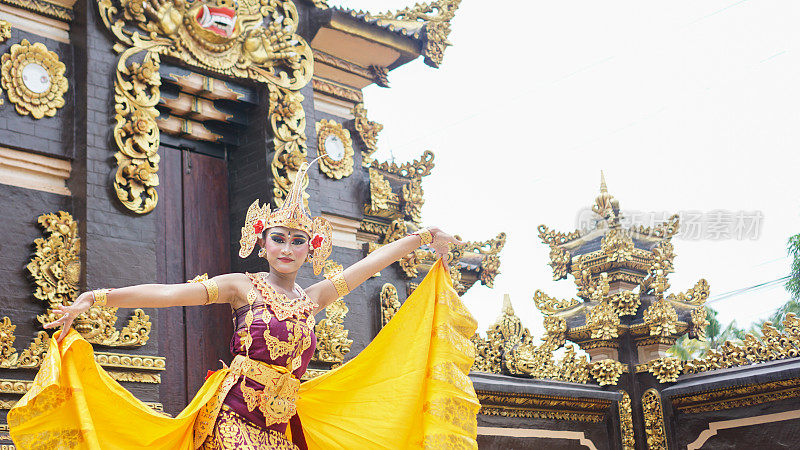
(251, 403)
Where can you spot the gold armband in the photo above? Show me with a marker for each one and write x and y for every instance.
(100, 297)
(424, 235)
(212, 289)
(340, 284)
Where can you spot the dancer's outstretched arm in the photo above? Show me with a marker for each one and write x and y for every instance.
(324, 292)
(153, 296)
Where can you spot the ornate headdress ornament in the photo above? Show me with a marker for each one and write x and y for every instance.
(292, 214)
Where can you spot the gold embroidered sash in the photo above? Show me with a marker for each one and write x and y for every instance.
(277, 401)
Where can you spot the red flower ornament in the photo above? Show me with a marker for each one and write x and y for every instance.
(317, 241)
(258, 227)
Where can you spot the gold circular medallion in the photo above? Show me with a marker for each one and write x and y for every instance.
(336, 148)
(33, 78)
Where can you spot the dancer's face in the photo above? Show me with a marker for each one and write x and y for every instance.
(286, 248)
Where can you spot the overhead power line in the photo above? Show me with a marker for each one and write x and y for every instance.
(749, 289)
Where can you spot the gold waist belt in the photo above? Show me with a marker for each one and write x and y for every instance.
(278, 397)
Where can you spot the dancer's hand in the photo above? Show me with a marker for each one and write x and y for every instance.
(70, 312)
(442, 242)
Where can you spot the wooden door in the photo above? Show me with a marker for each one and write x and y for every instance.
(193, 208)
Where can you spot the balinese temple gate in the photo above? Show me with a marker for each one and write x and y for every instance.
(134, 134)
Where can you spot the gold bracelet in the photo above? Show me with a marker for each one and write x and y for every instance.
(100, 297)
(212, 290)
(424, 235)
(340, 284)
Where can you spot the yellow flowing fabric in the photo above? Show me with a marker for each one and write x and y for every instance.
(407, 389)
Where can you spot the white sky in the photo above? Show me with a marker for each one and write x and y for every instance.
(685, 105)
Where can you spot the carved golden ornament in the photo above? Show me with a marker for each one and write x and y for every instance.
(551, 305)
(255, 40)
(414, 169)
(773, 345)
(617, 245)
(488, 250)
(695, 296)
(559, 261)
(540, 414)
(56, 269)
(626, 303)
(435, 18)
(382, 200)
(332, 341)
(321, 4)
(603, 321)
(136, 93)
(136, 377)
(335, 148)
(663, 258)
(368, 132)
(738, 396)
(413, 200)
(626, 422)
(549, 236)
(288, 122)
(542, 406)
(490, 268)
(605, 205)
(390, 303)
(661, 318)
(606, 371)
(665, 230)
(5, 34)
(30, 358)
(509, 348)
(33, 78)
(654, 420)
(699, 323)
(666, 369)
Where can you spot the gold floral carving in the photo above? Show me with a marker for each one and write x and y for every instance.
(626, 422)
(626, 303)
(603, 321)
(260, 44)
(27, 101)
(135, 377)
(617, 245)
(417, 168)
(551, 305)
(56, 268)
(332, 341)
(435, 17)
(390, 303)
(654, 420)
(413, 200)
(661, 318)
(695, 296)
(606, 371)
(666, 369)
(288, 122)
(338, 90)
(5, 34)
(136, 93)
(336, 169)
(773, 345)
(30, 358)
(368, 132)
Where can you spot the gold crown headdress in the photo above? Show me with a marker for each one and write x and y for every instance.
(292, 214)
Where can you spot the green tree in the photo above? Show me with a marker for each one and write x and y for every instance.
(793, 285)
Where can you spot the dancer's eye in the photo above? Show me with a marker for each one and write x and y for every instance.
(277, 239)
(298, 241)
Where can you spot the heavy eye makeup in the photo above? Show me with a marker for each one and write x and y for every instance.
(279, 239)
